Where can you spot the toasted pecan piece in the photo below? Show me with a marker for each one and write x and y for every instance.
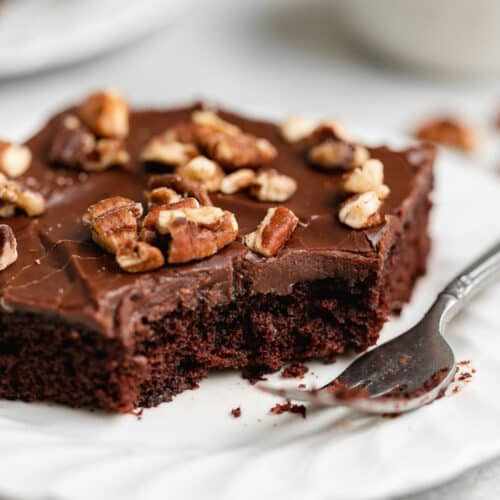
(73, 145)
(297, 127)
(448, 132)
(13, 195)
(181, 185)
(161, 196)
(196, 233)
(367, 177)
(204, 171)
(15, 159)
(235, 151)
(337, 154)
(209, 119)
(113, 222)
(270, 185)
(8, 246)
(361, 210)
(139, 257)
(273, 231)
(168, 152)
(106, 113)
(237, 180)
(148, 230)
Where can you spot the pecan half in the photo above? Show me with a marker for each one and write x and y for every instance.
(203, 170)
(361, 210)
(296, 127)
(8, 246)
(12, 194)
(270, 185)
(182, 185)
(15, 159)
(337, 154)
(109, 204)
(236, 181)
(235, 151)
(75, 146)
(196, 233)
(368, 177)
(209, 119)
(168, 152)
(113, 222)
(273, 232)
(449, 132)
(139, 257)
(106, 113)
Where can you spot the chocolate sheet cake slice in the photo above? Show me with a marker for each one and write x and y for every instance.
(79, 328)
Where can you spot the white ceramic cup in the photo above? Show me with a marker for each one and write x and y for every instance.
(448, 36)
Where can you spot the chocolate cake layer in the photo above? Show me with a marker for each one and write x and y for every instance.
(78, 330)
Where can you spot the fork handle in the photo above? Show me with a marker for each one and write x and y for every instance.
(473, 278)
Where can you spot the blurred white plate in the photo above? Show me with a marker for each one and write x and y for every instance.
(456, 37)
(41, 34)
(193, 449)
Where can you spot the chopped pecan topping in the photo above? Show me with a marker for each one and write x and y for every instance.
(236, 181)
(8, 246)
(273, 232)
(203, 170)
(235, 151)
(337, 154)
(15, 159)
(182, 185)
(338, 129)
(162, 196)
(196, 233)
(209, 119)
(296, 127)
(322, 133)
(113, 222)
(449, 132)
(72, 143)
(13, 194)
(139, 257)
(361, 210)
(106, 113)
(184, 203)
(109, 204)
(168, 152)
(107, 153)
(270, 185)
(148, 231)
(368, 177)
(75, 146)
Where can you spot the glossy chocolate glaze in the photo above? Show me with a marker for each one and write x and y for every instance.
(61, 271)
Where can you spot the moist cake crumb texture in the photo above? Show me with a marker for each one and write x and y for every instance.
(289, 407)
(157, 246)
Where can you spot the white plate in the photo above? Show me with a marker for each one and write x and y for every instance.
(40, 34)
(193, 449)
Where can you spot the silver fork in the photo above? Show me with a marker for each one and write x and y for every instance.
(374, 382)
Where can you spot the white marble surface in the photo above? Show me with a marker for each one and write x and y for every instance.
(272, 57)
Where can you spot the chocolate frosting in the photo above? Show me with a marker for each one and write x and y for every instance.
(60, 271)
